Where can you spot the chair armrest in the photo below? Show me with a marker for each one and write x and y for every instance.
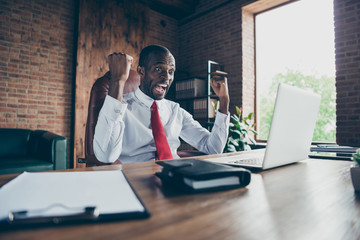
(52, 147)
(189, 153)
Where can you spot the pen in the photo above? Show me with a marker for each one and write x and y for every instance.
(26, 217)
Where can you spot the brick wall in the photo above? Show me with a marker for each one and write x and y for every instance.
(214, 34)
(163, 30)
(248, 63)
(36, 52)
(347, 44)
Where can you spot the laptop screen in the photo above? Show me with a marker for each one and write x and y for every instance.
(292, 126)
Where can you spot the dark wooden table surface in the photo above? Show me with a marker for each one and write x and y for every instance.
(312, 199)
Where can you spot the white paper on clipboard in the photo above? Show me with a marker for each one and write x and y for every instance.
(63, 193)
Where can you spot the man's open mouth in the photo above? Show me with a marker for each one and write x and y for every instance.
(161, 88)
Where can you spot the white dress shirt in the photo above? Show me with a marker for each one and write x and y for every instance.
(123, 130)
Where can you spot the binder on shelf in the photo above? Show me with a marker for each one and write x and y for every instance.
(219, 73)
(195, 175)
(53, 198)
(194, 87)
(201, 108)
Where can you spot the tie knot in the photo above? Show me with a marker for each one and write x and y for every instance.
(154, 105)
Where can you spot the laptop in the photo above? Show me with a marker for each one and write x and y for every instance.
(291, 132)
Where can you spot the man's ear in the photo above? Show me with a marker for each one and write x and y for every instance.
(141, 71)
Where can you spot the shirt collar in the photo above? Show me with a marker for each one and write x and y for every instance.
(146, 100)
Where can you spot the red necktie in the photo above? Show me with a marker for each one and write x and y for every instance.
(162, 145)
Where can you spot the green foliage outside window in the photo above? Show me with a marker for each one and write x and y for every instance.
(325, 130)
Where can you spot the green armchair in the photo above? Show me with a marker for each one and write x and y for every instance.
(31, 150)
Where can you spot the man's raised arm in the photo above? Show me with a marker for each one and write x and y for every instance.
(109, 130)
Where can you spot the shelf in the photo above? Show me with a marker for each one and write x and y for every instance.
(190, 98)
(195, 95)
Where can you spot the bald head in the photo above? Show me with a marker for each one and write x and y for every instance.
(150, 50)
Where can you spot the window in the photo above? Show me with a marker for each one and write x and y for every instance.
(295, 45)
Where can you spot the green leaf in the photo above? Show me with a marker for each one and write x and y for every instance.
(235, 118)
(238, 111)
(242, 146)
(231, 148)
(356, 156)
(215, 105)
(235, 133)
(242, 125)
(252, 140)
(254, 132)
(234, 142)
(246, 122)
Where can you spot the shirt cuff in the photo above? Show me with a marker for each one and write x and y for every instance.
(222, 118)
(113, 108)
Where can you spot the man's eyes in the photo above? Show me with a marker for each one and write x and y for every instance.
(159, 69)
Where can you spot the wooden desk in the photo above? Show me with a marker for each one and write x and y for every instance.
(313, 199)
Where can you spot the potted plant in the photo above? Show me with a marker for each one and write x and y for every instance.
(355, 171)
(239, 132)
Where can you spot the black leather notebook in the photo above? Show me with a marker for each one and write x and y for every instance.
(195, 175)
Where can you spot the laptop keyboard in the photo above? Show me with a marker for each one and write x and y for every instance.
(250, 158)
(251, 161)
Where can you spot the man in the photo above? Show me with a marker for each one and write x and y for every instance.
(124, 130)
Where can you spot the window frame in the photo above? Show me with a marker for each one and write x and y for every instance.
(249, 12)
(249, 52)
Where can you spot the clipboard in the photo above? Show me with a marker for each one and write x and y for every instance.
(57, 198)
